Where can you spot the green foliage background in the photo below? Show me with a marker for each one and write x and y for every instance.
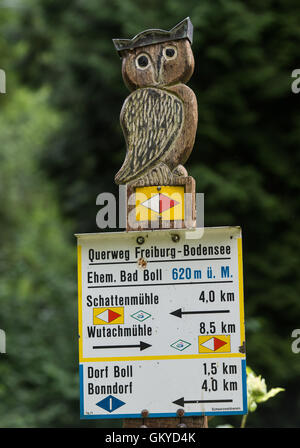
(61, 144)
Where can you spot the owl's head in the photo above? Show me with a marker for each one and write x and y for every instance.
(157, 58)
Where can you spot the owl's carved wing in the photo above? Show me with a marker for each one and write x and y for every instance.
(151, 120)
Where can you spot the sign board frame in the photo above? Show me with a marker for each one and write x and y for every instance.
(212, 347)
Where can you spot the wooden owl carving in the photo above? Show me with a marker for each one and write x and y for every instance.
(159, 118)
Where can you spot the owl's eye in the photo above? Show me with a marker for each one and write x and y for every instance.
(142, 61)
(170, 52)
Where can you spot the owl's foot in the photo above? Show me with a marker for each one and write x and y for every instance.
(159, 175)
(180, 171)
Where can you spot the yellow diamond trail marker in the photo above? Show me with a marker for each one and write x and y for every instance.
(163, 312)
(218, 343)
(168, 203)
(108, 316)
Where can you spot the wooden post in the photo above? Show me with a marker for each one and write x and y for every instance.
(166, 422)
(159, 122)
(188, 221)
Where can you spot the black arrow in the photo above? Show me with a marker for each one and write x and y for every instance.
(141, 345)
(181, 401)
(179, 312)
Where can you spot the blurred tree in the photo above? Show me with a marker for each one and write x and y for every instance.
(246, 155)
(37, 293)
(39, 384)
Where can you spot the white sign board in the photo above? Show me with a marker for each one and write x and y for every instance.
(161, 323)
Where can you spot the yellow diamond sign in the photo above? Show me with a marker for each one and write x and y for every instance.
(214, 344)
(108, 316)
(165, 203)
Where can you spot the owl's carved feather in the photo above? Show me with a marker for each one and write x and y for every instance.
(151, 120)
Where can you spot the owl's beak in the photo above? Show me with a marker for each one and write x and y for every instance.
(159, 68)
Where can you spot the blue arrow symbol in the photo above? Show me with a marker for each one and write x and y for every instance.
(110, 403)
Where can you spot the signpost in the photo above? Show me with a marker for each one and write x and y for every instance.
(161, 323)
(161, 316)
